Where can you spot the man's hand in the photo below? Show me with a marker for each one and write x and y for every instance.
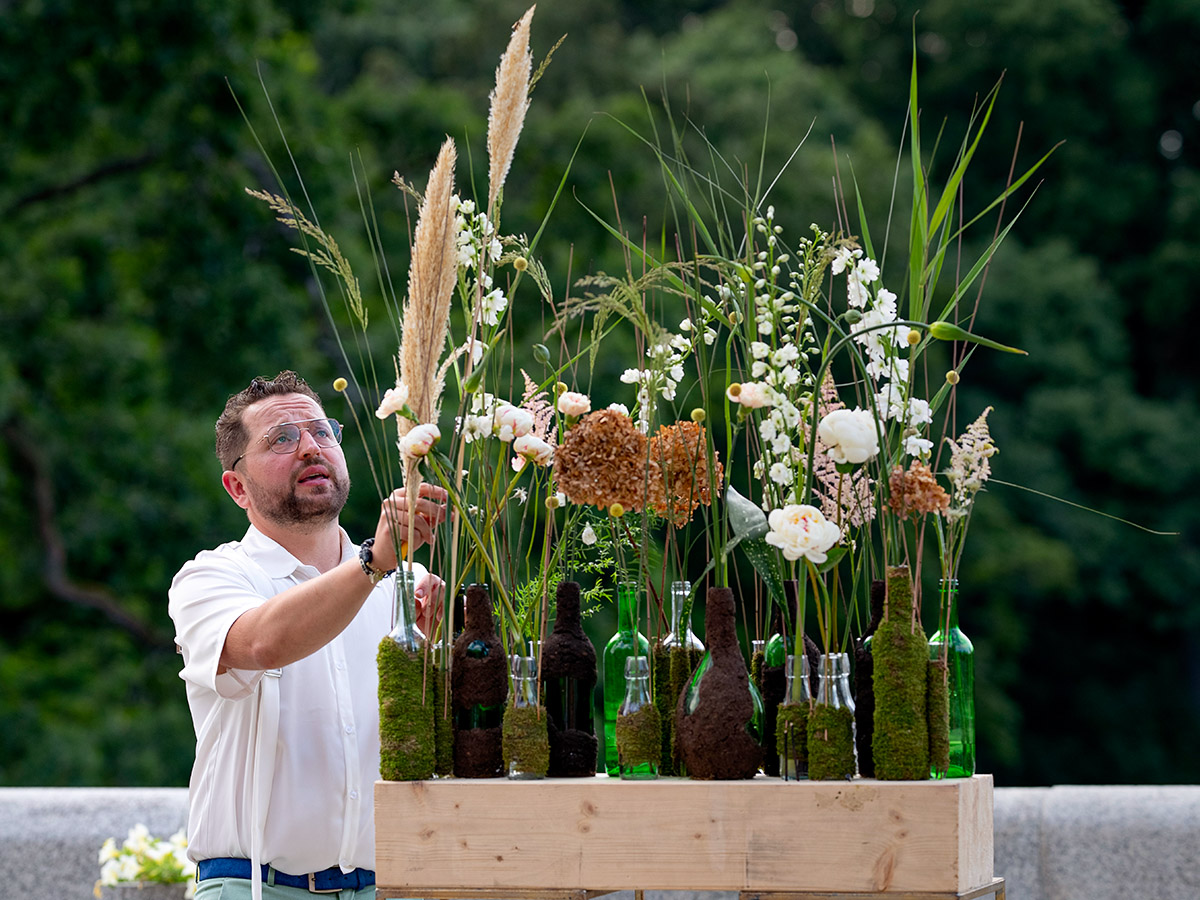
(428, 512)
(430, 593)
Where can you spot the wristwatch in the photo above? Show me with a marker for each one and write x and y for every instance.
(365, 558)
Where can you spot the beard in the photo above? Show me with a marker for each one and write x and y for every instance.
(287, 507)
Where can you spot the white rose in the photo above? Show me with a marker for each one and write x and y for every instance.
(573, 403)
(393, 401)
(802, 531)
(850, 435)
(419, 441)
(588, 535)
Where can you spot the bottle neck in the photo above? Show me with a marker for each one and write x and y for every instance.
(479, 610)
(949, 590)
(626, 607)
(566, 608)
(680, 614)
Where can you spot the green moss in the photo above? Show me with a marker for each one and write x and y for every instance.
(407, 750)
(443, 727)
(758, 659)
(526, 742)
(937, 699)
(666, 708)
(900, 652)
(791, 733)
(639, 737)
(830, 742)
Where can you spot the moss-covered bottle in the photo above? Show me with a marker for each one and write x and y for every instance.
(900, 651)
(525, 737)
(791, 721)
(831, 752)
(639, 728)
(407, 742)
(675, 658)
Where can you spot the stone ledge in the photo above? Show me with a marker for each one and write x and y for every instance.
(1060, 843)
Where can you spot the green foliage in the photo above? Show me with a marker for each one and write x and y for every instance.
(139, 287)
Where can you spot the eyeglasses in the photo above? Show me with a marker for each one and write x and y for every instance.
(285, 437)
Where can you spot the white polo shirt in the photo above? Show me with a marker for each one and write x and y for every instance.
(320, 808)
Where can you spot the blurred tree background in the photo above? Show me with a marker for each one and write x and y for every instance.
(139, 287)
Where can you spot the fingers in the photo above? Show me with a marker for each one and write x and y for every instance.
(429, 595)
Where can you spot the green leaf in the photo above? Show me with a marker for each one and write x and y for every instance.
(765, 560)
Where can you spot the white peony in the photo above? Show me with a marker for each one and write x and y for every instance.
(419, 441)
(511, 422)
(534, 449)
(802, 531)
(850, 435)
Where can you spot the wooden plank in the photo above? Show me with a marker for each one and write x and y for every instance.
(605, 834)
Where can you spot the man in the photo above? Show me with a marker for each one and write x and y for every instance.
(279, 633)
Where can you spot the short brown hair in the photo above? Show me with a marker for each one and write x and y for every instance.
(231, 430)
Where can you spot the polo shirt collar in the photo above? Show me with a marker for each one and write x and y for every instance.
(275, 560)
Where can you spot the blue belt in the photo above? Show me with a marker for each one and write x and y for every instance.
(324, 882)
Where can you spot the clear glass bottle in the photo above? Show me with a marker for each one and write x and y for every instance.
(681, 634)
(646, 725)
(404, 618)
(797, 697)
(960, 660)
(625, 643)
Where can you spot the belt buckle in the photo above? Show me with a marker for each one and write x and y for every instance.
(313, 889)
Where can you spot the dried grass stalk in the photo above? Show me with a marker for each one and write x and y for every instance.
(510, 100)
(431, 280)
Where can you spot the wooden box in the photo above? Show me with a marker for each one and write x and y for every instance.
(455, 836)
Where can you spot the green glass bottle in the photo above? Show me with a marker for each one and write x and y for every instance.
(960, 659)
(619, 648)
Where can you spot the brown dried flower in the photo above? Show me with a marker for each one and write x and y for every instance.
(916, 491)
(680, 452)
(602, 461)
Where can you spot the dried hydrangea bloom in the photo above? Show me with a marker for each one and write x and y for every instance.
(680, 452)
(602, 461)
(916, 491)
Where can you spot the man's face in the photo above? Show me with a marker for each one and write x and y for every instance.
(305, 487)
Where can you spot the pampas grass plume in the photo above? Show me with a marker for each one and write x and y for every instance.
(510, 100)
(431, 280)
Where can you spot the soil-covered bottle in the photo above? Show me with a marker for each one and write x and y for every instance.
(568, 683)
(478, 690)
(719, 717)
